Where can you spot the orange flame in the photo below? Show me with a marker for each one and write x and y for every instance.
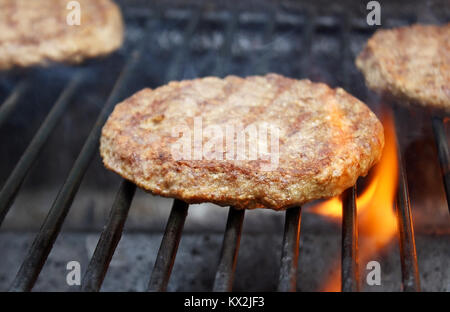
(377, 221)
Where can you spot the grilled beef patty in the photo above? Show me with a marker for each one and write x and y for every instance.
(326, 139)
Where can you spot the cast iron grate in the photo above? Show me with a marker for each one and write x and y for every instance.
(98, 266)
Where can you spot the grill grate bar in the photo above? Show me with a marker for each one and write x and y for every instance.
(169, 246)
(230, 248)
(43, 242)
(349, 272)
(290, 249)
(11, 101)
(408, 255)
(444, 158)
(17, 176)
(109, 238)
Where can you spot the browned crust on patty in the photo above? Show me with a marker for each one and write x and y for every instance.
(36, 32)
(328, 139)
(411, 63)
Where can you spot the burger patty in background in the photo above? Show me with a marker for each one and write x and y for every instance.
(39, 32)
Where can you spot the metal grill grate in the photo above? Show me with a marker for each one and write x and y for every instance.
(112, 232)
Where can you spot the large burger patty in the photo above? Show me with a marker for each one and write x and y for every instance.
(36, 31)
(411, 63)
(326, 139)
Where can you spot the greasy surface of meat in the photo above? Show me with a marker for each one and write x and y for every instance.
(36, 31)
(411, 63)
(326, 140)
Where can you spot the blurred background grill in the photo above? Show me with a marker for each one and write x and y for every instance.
(60, 110)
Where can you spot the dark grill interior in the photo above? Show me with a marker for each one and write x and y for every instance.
(48, 142)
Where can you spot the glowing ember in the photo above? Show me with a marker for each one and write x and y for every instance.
(376, 218)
